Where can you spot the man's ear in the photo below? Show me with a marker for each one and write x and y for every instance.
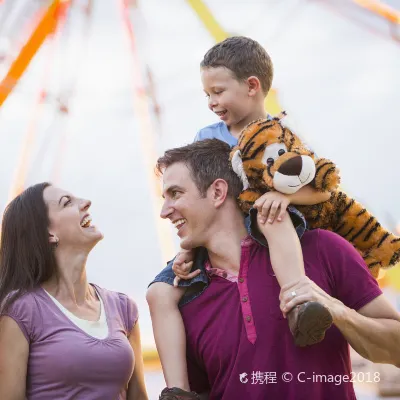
(219, 192)
(254, 85)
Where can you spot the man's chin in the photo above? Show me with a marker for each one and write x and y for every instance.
(186, 244)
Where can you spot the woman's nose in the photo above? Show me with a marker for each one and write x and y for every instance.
(85, 204)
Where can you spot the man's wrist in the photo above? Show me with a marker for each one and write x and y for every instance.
(340, 313)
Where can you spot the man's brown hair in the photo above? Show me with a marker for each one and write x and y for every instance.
(207, 160)
(244, 57)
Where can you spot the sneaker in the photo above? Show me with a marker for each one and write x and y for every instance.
(308, 323)
(178, 394)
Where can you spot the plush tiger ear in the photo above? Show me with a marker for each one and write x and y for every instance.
(237, 166)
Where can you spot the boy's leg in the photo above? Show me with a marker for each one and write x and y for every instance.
(309, 321)
(170, 337)
(169, 332)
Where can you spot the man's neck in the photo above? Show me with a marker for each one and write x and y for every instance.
(224, 246)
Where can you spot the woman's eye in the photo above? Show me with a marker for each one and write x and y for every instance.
(67, 202)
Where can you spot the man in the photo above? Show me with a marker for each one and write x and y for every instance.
(239, 346)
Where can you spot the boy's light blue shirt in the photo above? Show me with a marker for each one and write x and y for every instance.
(219, 130)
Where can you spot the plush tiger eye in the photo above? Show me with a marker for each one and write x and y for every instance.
(281, 151)
(270, 162)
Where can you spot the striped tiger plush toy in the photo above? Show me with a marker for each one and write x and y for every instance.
(270, 157)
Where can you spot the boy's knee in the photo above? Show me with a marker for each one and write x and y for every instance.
(160, 293)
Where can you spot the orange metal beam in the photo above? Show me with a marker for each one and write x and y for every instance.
(381, 9)
(45, 26)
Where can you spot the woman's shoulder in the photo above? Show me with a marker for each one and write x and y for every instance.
(24, 310)
(123, 303)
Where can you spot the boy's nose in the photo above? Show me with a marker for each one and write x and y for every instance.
(212, 103)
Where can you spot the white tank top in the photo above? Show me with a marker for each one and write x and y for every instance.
(97, 329)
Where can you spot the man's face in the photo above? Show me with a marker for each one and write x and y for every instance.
(184, 206)
(227, 97)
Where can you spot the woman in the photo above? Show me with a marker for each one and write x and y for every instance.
(61, 337)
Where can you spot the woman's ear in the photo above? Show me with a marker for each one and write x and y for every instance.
(53, 239)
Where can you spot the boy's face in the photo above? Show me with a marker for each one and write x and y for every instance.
(228, 97)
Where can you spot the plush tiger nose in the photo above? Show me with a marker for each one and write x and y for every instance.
(292, 166)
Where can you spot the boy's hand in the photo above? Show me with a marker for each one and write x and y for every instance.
(271, 206)
(182, 265)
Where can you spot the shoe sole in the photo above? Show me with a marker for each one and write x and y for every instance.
(312, 324)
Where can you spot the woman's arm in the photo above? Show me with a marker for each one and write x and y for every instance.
(14, 353)
(136, 387)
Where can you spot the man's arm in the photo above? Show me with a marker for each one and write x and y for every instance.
(373, 331)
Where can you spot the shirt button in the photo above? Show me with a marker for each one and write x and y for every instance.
(248, 318)
(241, 280)
(244, 299)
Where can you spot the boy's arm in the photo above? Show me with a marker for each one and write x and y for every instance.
(273, 205)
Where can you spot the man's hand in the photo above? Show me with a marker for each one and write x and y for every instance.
(271, 205)
(182, 265)
(304, 290)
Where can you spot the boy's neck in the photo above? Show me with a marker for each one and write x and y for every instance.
(236, 129)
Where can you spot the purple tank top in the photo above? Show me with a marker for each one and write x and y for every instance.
(67, 363)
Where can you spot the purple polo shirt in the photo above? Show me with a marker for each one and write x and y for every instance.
(239, 344)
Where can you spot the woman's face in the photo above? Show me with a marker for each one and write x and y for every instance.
(70, 221)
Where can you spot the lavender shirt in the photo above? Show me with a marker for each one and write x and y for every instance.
(240, 346)
(67, 363)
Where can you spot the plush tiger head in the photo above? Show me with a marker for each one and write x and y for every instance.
(269, 156)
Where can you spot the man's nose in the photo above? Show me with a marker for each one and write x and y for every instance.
(166, 210)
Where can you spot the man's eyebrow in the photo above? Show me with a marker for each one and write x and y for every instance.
(66, 196)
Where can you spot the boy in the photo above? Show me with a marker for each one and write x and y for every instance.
(236, 75)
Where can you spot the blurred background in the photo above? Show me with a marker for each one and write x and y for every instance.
(91, 92)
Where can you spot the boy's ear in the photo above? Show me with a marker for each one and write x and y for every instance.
(254, 85)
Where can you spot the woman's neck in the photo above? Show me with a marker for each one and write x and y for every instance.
(70, 284)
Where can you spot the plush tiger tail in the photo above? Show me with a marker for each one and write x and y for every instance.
(379, 248)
